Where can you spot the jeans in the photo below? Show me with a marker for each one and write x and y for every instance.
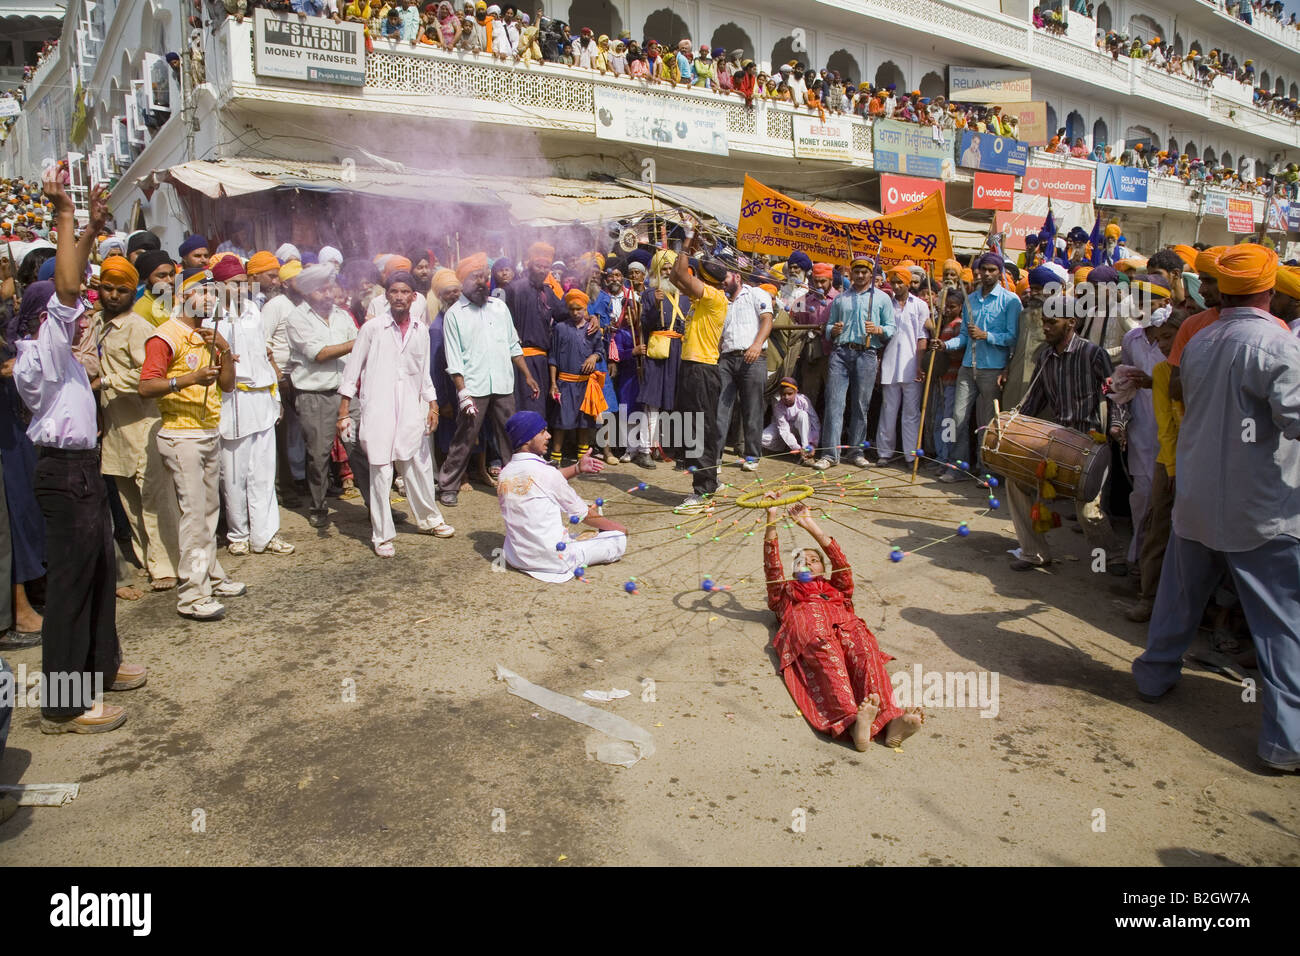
(851, 376)
(983, 381)
(747, 378)
(697, 394)
(1268, 585)
(944, 402)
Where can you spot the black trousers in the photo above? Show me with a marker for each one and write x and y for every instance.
(79, 636)
(699, 387)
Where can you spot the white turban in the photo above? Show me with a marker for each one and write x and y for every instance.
(330, 256)
(1062, 274)
(314, 278)
(286, 252)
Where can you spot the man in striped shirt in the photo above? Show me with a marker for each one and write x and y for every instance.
(1069, 373)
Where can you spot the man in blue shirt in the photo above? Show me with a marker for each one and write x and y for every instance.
(990, 323)
(861, 323)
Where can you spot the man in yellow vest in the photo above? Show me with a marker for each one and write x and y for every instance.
(183, 359)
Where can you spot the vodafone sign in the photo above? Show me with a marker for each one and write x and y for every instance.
(994, 191)
(899, 192)
(1074, 185)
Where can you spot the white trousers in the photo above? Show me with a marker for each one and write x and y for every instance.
(907, 394)
(606, 548)
(802, 429)
(1139, 500)
(645, 437)
(421, 492)
(248, 483)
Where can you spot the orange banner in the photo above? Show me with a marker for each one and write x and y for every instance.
(778, 225)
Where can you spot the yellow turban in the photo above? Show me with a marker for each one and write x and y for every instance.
(260, 262)
(1081, 274)
(663, 259)
(1288, 281)
(117, 270)
(1246, 269)
(1187, 254)
(576, 296)
(1131, 264)
(1112, 231)
(443, 280)
(967, 275)
(290, 269)
(541, 253)
(471, 264)
(947, 264)
(1207, 261)
(396, 264)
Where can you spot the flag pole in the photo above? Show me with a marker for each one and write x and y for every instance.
(929, 374)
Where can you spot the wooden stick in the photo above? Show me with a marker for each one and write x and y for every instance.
(929, 374)
(997, 418)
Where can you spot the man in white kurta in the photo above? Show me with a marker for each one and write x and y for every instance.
(543, 512)
(389, 370)
(1140, 351)
(900, 380)
(248, 416)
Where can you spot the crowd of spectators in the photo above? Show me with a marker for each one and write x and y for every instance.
(19, 93)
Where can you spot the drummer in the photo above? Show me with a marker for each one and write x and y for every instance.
(1069, 373)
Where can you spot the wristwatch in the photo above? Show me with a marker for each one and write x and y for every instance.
(174, 386)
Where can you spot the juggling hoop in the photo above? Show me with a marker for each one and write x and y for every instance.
(793, 493)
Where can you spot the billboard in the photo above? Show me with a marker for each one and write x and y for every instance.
(993, 191)
(818, 139)
(1031, 120)
(1073, 185)
(899, 192)
(907, 148)
(1121, 185)
(977, 85)
(312, 49)
(994, 154)
(1241, 215)
(630, 116)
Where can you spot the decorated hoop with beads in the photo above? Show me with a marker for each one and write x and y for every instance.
(793, 493)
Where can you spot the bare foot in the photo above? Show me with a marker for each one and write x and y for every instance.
(129, 593)
(861, 729)
(163, 584)
(29, 623)
(900, 728)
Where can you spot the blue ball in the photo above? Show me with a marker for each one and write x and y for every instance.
(803, 576)
(600, 502)
(641, 486)
(561, 546)
(994, 503)
(962, 531)
(691, 469)
(993, 482)
(706, 585)
(574, 519)
(579, 572)
(630, 587)
(866, 444)
(896, 555)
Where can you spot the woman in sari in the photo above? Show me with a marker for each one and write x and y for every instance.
(831, 663)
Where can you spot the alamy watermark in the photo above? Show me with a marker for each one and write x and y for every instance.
(56, 690)
(620, 428)
(935, 689)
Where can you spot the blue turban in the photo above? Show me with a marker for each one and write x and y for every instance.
(1103, 274)
(642, 256)
(800, 259)
(308, 259)
(193, 242)
(1042, 276)
(46, 271)
(522, 427)
(990, 258)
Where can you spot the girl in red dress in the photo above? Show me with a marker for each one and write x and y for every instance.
(830, 660)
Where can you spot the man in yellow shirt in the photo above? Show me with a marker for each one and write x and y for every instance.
(698, 384)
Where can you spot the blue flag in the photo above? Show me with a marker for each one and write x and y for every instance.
(1098, 242)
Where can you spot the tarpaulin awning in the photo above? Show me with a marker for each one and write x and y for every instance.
(532, 201)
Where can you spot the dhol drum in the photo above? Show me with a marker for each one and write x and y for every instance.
(1031, 451)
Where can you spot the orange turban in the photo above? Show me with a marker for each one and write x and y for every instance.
(1187, 254)
(260, 262)
(769, 288)
(1288, 281)
(1207, 261)
(443, 280)
(823, 270)
(117, 270)
(541, 253)
(1131, 264)
(906, 264)
(1023, 285)
(471, 264)
(947, 264)
(967, 275)
(900, 272)
(1112, 231)
(396, 264)
(1081, 274)
(1246, 269)
(576, 296)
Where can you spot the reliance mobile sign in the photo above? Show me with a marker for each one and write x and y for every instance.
(974, 85)
(316, 50)
(900, 192)
(1121, 185)
(1074, 185)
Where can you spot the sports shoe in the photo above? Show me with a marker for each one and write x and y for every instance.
(448, 498)
(238, 548)
(229, 588)
(443, 530)
(642, 460)
(624, 458)
(823, 464)
(277, 545)
(693, 505)
(318, 519)
(385, 550)
(206, 610)
(99, 720)
(748, 465)
(859, 461)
